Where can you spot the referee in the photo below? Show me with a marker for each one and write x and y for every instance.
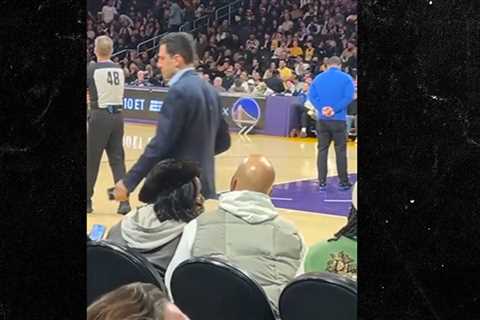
(331, 92)
(105, 83)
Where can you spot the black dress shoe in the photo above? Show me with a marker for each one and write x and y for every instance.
(124, 207)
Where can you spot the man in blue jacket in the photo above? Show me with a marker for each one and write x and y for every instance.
(190, 125)
(331, 92)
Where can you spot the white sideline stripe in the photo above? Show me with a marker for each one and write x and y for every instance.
(282, 199)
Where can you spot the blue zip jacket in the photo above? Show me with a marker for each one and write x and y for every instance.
(333, 88)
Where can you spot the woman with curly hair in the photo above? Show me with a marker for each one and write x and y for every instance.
(172, 194)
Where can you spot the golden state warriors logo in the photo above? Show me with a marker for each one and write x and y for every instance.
(246, 114)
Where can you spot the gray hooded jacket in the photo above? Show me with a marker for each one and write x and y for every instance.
(141, 231)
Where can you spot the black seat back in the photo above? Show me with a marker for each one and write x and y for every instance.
(110, 266)
(319, 296)
(210, 289)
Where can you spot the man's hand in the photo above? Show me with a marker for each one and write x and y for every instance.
(120, 192)
(328, 111)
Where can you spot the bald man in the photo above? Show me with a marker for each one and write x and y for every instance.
(247, 231)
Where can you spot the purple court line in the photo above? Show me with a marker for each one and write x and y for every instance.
(306, 196)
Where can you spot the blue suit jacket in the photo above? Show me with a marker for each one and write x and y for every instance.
(190, 127)
(333, 88)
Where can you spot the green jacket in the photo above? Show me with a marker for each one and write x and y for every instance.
(336, 256)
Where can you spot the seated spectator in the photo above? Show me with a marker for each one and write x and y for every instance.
(339, 254)
(281, 52)
(141, 81)
(301, 68)
(237, 87)
(269, 72)
(262, 90)
(135, 301)
(306, 121)
(133, 71)
(247, 232)
(275, 83)
(251, 86)
(296, 50)
(229, 79)
(309, 52)
(172, 196)
(217, 84)
(285, 72)
(244, 77)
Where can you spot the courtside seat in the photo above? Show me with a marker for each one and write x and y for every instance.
(319, 296)
(110, 266)
(210, 289)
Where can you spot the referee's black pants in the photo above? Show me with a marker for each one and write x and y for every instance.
(328, 130)
(104, 132)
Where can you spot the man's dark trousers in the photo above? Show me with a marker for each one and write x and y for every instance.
(328, 130)
(105, 132)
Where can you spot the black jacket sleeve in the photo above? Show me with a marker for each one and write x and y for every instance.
(171, 121)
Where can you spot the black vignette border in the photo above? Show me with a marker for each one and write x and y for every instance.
(419, 159)
(42, 160)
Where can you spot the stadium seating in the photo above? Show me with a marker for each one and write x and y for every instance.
(110, 266)
(210, 289)
(319, 296)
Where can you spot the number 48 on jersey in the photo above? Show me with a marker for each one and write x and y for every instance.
(113, 80)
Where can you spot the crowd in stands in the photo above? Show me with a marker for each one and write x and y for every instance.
(129, 22)
(269, 47)
(245, 230)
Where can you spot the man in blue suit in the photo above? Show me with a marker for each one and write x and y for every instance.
(331, 92)
(190, 125)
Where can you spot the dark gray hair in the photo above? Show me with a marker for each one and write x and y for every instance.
(334, 61)
(180, 43)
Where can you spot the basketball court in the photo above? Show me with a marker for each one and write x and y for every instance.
(317, 214)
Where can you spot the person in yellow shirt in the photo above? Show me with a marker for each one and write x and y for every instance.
(296, 50)
(275, 41)
(285, 72)
(309, 52)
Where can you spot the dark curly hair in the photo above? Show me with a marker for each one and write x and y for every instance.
(171, 188)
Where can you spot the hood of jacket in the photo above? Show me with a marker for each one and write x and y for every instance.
(252, 207)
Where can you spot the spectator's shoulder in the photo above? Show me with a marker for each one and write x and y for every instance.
(286, 226)
(186, 85)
